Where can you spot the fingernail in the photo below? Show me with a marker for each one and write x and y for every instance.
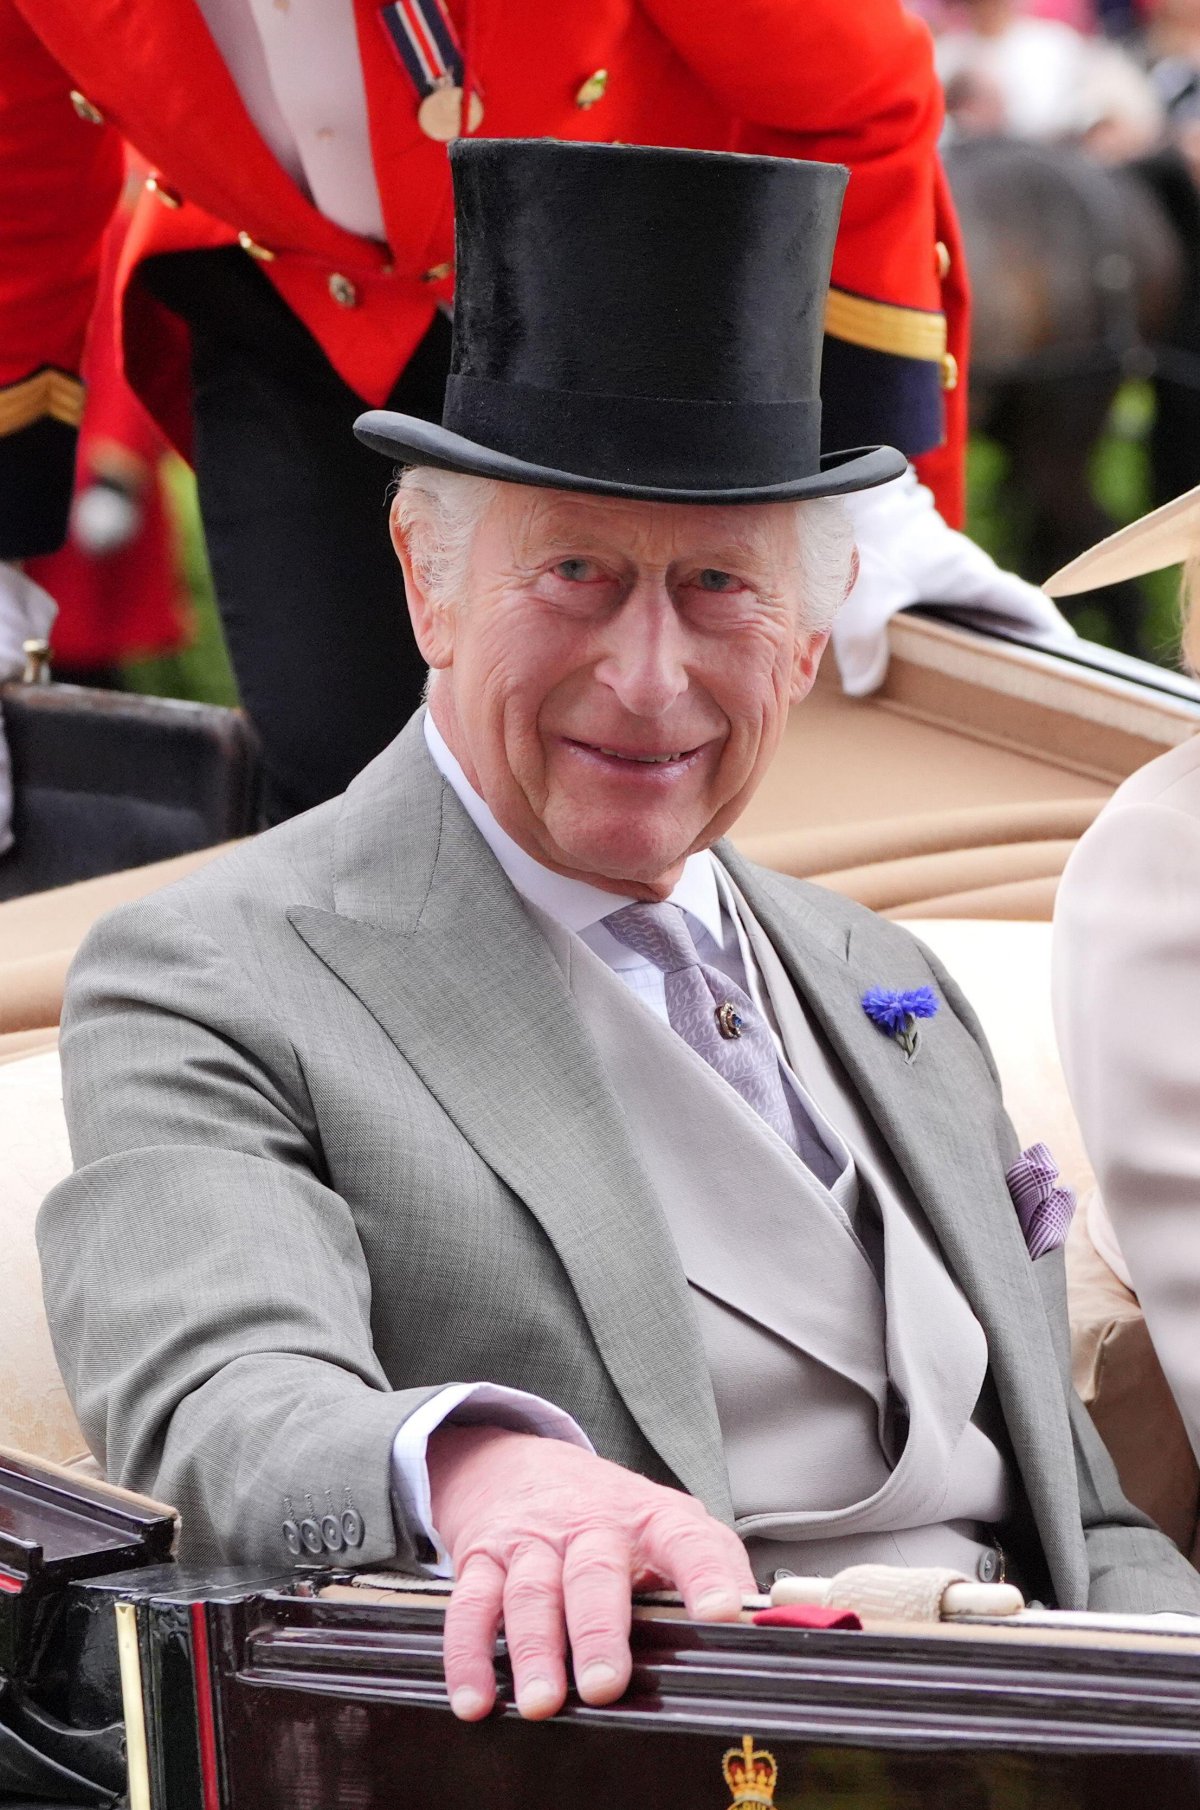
(716, 1605)
(597, 1680)
(467, 1704)
(537, 1698)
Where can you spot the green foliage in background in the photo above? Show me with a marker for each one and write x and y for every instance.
(1120, 482)
(201, 669)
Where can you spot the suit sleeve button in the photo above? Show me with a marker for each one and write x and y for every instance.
(352, 1527)
(292, 1540)
(331, 1533)
(310, 1533)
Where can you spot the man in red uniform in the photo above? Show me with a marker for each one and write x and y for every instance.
(292, 259)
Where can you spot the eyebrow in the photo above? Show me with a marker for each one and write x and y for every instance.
(584, 536)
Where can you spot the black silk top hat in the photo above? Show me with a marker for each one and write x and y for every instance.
(639, 323)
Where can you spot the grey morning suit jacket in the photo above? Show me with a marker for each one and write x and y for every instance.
(341, 1138)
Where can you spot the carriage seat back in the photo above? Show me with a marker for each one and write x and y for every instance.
(107, 780)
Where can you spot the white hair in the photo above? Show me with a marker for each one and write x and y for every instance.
(438, 513)
(826, 538)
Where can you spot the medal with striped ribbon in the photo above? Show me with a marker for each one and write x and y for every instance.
(422, 34)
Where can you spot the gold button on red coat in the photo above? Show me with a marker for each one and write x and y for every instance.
(254, 249)
(949, 371)
(163, 192)
(941, 258)
(593, 90)
(437, 273)
(343, 291)
(85, 109)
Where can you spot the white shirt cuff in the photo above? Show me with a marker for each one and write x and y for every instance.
(470, 1404)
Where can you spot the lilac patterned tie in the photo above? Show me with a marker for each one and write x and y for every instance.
(713, 1015)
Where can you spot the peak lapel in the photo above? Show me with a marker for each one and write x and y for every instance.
(434, 941)
(937, 1115)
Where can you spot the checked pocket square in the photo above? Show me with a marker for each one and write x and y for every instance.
(1045, 1205)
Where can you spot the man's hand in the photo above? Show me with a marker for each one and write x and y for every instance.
(551, 1542)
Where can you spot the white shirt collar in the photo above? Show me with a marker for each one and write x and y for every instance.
(574, 904)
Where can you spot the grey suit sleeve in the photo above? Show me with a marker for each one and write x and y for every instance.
(1132, 1567)
(207, 1292)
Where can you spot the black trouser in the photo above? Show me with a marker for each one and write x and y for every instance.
(295, 517)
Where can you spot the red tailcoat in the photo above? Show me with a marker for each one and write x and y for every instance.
(130, 601)
(842, 81)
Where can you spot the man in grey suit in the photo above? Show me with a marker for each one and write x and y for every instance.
(490, 1171)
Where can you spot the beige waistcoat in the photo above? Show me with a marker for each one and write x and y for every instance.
(816, 1321)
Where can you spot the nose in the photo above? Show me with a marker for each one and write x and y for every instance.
(644, 660)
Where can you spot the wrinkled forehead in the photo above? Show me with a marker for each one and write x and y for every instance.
(544, 522)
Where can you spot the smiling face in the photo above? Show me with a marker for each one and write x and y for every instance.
(616, 675)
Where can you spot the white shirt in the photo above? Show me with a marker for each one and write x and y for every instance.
(704, 895)
(298, 71)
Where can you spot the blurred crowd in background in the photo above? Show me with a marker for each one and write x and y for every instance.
(1073, 143)
(1110, 75)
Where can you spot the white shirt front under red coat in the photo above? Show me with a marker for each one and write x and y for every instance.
(297, 67)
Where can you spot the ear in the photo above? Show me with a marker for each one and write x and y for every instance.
(806, 658)
(433, 628)
(855, 569)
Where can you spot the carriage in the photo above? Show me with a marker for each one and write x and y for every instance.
(951, 798)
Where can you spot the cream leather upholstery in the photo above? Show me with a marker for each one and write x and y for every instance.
(35, 1415)
(40, 933)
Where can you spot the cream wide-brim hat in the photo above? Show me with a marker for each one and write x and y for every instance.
(1166, 537)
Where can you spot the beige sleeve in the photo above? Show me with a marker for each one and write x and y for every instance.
(1126, 982)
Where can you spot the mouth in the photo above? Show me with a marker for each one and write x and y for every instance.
(645, 760)
(632, 760)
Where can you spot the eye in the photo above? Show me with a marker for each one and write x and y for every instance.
(712, 580)
(577, 571)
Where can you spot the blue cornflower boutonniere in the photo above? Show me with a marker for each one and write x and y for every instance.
(897, 1014)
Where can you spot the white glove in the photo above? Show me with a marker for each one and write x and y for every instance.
(907, 554)
(26, 614)
(104, 518)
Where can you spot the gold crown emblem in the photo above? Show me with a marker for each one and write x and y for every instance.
(750, 1772)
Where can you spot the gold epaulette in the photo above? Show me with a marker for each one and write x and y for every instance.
(883, 327)
(47, 392)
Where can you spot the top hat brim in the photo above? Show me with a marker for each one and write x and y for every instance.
(1168, 536)
(411, 441)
